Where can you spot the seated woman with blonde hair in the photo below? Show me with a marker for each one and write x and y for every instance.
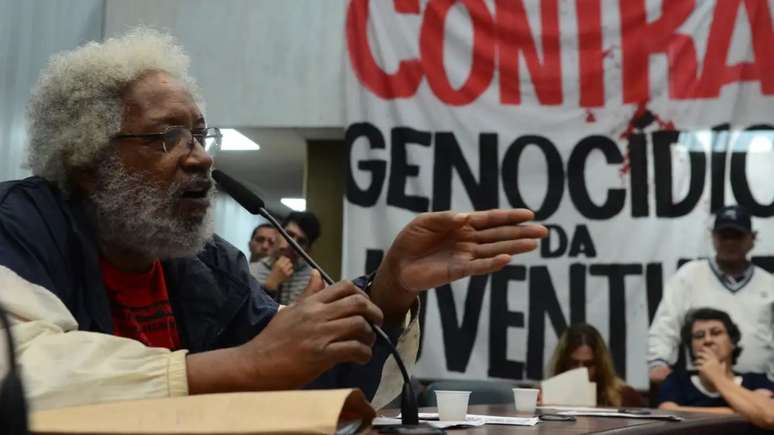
(581, 345)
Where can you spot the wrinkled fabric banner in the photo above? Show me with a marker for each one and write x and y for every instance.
(622, 124)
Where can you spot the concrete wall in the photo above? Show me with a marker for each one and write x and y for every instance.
(30, 32)
(278, 52)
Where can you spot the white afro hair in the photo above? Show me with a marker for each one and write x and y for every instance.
(76, 106)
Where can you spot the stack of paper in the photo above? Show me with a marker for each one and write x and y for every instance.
(570, 388)
(471, 420)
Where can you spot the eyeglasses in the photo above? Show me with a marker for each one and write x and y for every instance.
(177, 137)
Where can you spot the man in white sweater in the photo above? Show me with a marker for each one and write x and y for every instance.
(728, 282)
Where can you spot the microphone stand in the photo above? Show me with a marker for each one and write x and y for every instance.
(409, 412)
(250, 202)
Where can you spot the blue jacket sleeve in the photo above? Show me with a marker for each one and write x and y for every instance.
(670, 390)
(27, 243)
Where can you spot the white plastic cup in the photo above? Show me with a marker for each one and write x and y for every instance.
(525, 399)
(452, 405)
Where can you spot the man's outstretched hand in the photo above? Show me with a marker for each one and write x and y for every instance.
(329, 325)
(438, 248)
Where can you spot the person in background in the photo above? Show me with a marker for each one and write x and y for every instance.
(285, 275)
(262, 243)
(714, 347)
(581, 345)
(728, 282)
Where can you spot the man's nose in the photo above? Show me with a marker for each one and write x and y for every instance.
(198, 160)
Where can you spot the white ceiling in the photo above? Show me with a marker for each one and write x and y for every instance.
(276, 170)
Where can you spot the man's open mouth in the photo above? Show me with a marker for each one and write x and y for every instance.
(197, 192)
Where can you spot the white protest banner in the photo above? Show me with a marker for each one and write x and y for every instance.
(622, 124)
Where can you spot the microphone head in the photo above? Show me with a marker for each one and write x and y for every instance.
(241, 194)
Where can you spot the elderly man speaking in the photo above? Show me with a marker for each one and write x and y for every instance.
(117, 286)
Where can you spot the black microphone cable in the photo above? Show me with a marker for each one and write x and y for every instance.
(255, 205)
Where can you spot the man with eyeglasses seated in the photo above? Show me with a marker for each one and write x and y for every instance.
(714, 347)
(117, 287)
(285, 275)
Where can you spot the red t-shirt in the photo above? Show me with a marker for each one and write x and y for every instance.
(140, 305)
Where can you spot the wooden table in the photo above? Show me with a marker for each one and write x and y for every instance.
(694, 424)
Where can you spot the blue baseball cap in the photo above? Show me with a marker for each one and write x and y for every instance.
(733, 216)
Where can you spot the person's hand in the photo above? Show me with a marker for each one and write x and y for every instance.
(438, 248)
(325, 327)
(765, 393)
(281, 270)
(709, 365)
(657, 374)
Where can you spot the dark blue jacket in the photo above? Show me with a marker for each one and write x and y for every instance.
(679, 388)
(47, 240)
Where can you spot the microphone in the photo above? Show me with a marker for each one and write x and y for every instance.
(255, 205)
(252, 203)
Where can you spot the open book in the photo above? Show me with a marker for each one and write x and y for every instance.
(277, 412)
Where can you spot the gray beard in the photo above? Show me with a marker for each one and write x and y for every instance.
(140, 217)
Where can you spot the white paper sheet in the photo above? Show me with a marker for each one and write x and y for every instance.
(447, 424)
(471, 420)
(570, 388)
(574, 408)
(614, 413)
